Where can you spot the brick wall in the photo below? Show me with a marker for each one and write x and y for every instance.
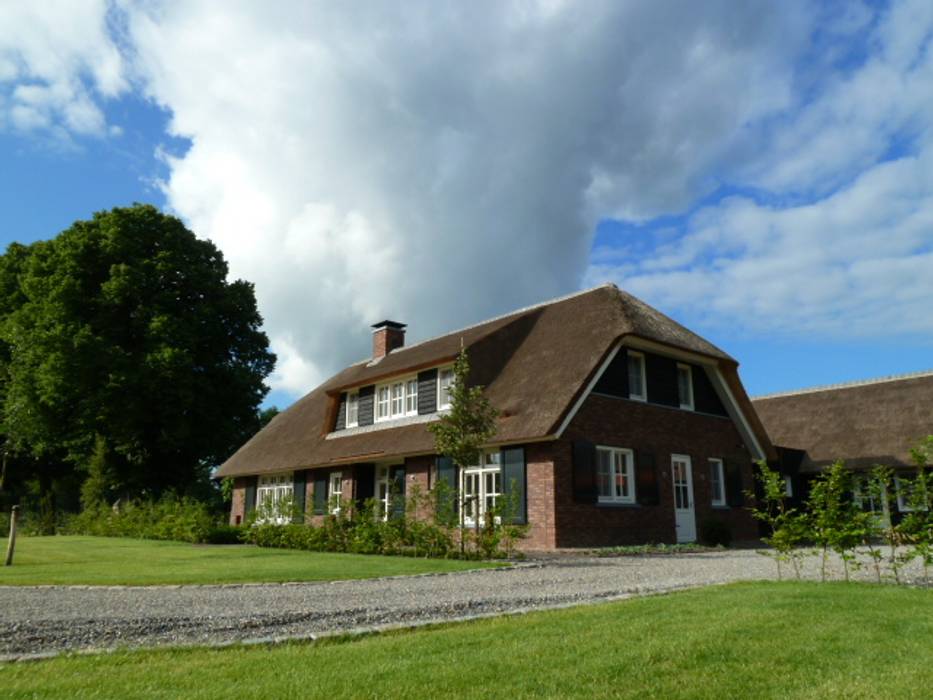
(539, 464)
(238, 506)
(638, 426)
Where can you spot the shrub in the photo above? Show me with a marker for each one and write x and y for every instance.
(716, 531)
(224, 534)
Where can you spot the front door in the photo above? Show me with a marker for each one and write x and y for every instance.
(684, 515)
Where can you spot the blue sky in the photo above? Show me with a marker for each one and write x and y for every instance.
(763, 175)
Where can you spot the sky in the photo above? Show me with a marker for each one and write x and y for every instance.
(761, 172)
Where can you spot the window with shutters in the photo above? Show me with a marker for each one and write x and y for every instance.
(480, 488)
(274, 495)
(397, 399)
(335, 492)
(685, 386)
(382, 403)
(637, 388)
(445, 380)
(411, 396)
(615, 474)
(717, 482)
(353, 409)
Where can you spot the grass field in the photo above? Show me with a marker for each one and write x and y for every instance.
(763, 640)
(112, 560)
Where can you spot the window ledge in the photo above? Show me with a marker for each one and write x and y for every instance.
(384, 424)
(617, 504)
(723, 506)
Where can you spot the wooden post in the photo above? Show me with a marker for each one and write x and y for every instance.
(12, 543)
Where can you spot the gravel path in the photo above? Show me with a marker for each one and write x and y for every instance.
(41, 620)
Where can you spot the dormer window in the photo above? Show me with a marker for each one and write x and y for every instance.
(353, 409)
(685, 386)
(397, 399)
(636, 376)
(445, 380)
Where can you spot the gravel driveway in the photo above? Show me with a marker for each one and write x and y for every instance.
(40, 620)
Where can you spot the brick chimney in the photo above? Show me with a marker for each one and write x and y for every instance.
(387, 335)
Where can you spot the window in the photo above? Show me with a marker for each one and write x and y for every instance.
(353, 410)
(335, 492)
(480, 487)
(717, 482)
(445, 379)
(904, 488)
(382, 403)
(398, 398)
(636, 376)
(685, 386)
(383, 491)
(788, 487)
(274, 498)
(411, 396)
(615, 475)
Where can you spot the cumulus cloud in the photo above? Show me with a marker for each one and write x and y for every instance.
(58, 58)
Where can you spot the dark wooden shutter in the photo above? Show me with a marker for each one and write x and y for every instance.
(249, 504)
(427, 391)
(365, 405)
(341, 413)
(514, 484)
(320, 492)
(705, 398)
(661, 377)
(614, 380)
(585, 489)
(447, 474)
(397, 487)
(365, 483)
(734, 495)
(299, 487)
(646, 479)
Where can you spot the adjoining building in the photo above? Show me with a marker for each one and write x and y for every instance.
(616, 425)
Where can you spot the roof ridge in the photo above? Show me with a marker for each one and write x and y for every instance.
(555, 300)
(846, 385)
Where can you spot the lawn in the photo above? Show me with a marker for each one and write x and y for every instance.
(114, 560)
(761, 640)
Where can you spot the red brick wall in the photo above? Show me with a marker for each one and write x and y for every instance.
(539, 465)
(638, 426)
(238, 506)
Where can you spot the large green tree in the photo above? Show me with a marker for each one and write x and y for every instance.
(128, 355)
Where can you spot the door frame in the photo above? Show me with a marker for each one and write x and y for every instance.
(686, 459)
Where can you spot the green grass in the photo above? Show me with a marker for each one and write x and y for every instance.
(114, 560)
(763, 640)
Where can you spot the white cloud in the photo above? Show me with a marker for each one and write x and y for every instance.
(437, 163)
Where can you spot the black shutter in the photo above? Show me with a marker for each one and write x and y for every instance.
(705, 398)
(446, 473)
(320, 493)
(397, 489)
(249, 504)
(299, 484)
(514, 483)
(585, 489)
(614, 381)
(427, 391)
(341, 413)
(734, 495)
(661, 378)
(365, 404)
(365, 483)
(646, 479)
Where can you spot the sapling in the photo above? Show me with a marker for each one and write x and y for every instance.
(787, 526)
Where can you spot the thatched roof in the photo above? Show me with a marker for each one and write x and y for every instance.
(533, 362)
(863, 423)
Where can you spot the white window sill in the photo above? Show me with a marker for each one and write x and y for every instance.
(386, 423)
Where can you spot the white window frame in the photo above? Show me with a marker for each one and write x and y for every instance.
(411, 396)
(334, 495)
(634, 355)
(277, 488)
(717, 476)
(788, 486)
(353, 416)
(383, 399)
(392, 399)
(441, 403)
(383, 496)
(688, 404)
(628, 460)
(489, 471)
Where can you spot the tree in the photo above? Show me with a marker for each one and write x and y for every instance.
(129, 356)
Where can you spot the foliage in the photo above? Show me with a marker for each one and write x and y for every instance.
(169, 518)
(788, 527)
(715, 531)
(126, 357)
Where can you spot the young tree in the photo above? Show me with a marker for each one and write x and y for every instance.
(470, 424)
(130, 355)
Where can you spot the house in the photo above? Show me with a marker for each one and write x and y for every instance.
(617, 425)
(863, 423)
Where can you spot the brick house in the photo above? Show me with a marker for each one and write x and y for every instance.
(617, 426)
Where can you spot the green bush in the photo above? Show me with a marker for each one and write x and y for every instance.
(224, 534)
(169, 518)
(715, 531)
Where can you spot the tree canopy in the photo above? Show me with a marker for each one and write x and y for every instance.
(127, 355)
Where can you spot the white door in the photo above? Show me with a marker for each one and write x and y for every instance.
(684, 515)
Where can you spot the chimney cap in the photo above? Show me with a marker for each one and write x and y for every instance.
(395, 325)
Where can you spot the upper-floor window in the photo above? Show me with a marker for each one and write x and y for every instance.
(615, 474)
(717, 482)
(353, 409)
(445, 380)
(685, 386)
(397, 399)
(636, 376)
